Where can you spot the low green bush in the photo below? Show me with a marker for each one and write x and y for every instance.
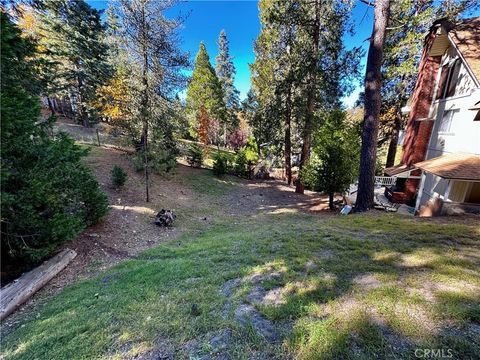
(164, 161)
(118, 176)
(220, 165)
(240, 167)
(251, 154)
(48, 200)
(195, 155)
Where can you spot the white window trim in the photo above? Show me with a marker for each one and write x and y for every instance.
(420, 191)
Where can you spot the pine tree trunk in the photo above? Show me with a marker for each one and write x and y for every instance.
(288, 140)
(225, 135)
(368, 155)
(330, 200)
(392, 147)
(307, 131)
(50, 106)
(80, 107)
(145, 103)
(83, 114)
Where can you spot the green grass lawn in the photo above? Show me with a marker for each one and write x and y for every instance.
(361, 286)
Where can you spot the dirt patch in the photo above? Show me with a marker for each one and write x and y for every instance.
(164, 350)
(215, 346)
(246, 314)
(367, 281)
(274, 297)
(274, 196)
(125, 231)
(229, 286)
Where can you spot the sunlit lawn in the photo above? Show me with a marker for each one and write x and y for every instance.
(360, 286)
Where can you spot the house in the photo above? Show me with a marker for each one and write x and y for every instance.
(439, 172)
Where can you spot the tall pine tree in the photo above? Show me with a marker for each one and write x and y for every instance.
(72, 39)
(301, 68)
(274, 71)
(225, 70)
(328, 68)
(150, 38)
(204, 89)
(372, 103)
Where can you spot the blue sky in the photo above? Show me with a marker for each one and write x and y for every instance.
(239, 18)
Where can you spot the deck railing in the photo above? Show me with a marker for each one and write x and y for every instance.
(385, 180)
(379, 181)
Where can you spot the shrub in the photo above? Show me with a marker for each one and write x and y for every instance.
(251, 150)
(164, 161)
(220, 164)
(251, 154)
(240, 167)
(48, 194)
(48, 201)
(195, 155)
(119, 176)
(237, 139)
(336, 146)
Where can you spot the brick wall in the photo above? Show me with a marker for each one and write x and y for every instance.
(417, 134)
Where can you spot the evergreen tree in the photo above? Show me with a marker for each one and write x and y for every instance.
(47, 68)
(328, 68)
(225, 70)
(301, 68)
(274, 70)
(150, 39)
(372, 103)
(72, 37)
(48, 194)
(204, 89)
(336, 151)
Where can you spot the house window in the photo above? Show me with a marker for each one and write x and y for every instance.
(446, 121)
(442, 82)
(453, 78)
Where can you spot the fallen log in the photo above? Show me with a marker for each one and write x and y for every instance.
(20, 290)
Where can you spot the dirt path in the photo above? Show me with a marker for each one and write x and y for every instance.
(275, 196)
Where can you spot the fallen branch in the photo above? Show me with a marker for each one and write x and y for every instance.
(19, 291)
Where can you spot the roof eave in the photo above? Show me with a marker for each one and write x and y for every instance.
(467, 66)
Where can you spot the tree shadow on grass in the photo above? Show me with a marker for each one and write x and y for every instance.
(378, 277)
(346, 296)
